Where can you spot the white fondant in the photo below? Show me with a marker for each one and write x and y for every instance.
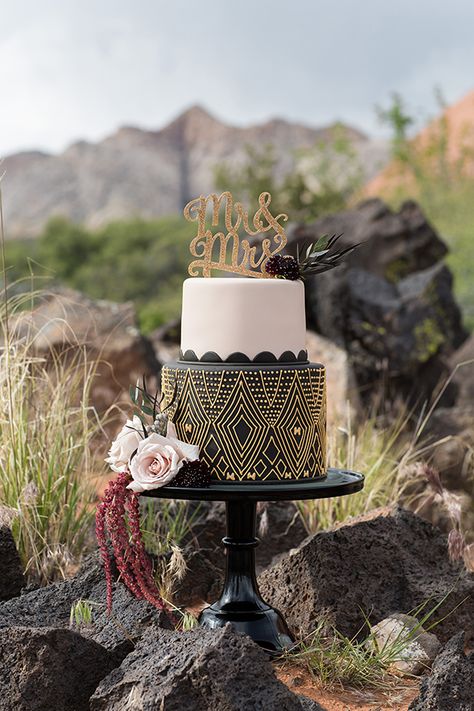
(228, 315)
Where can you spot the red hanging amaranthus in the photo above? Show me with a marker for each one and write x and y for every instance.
(146, 454)
(118, 521)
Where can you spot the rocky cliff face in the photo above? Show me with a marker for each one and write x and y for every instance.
(146, 173)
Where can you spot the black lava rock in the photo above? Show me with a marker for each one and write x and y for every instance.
(202, 579)
(50, 606)
(450, 687)
(11, 570)
(46, 669)
(199, 670)
(391, 304)
(389, 563)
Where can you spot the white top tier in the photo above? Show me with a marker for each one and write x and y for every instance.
(243, 315)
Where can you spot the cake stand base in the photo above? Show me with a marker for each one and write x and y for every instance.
(240, 603)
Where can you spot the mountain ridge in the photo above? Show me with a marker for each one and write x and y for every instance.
(141, 172)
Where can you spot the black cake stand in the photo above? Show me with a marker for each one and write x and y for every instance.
(240, 602)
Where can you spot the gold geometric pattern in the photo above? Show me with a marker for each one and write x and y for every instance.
(252, 423)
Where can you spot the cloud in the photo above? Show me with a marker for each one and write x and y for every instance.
(78, 70)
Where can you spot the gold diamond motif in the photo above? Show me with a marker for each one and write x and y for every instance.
(251, 424)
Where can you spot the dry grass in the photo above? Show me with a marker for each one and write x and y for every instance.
(366, 448)
(384, 454)
(47, 425)
(337, 661)
(46, 429)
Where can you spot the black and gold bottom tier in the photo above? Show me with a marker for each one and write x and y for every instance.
(252, 422)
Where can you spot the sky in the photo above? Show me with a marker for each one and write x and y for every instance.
(79, 69)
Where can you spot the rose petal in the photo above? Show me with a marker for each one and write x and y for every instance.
(124, 445)
(190, 451)
(135, 486)
(119, 469)
(171, 430)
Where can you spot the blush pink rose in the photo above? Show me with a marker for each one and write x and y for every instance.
(157, 461)
(125, 444)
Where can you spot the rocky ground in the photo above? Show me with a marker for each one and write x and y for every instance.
(389, 563)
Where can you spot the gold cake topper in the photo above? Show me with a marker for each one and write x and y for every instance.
(225, 251)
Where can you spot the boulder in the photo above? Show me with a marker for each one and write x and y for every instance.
(11, 569)
(391, 304)
(421, 499)
(448, 437)
(418, 648)
(209, 524)
(50, 606)
(462, 361)
(450, 433)
(344, 401)
(450, 687)
(65, 319)
(166, 340)
(280, 528)
(394, 243)
(391, 561)
(199, 670)
(308, 704)
(45, 669)
(400, 330)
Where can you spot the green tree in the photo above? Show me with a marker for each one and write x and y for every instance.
(395, 116)
(255, 176)
(64, 247)
(323, 180)
(139, 260)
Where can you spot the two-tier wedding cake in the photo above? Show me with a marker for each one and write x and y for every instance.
(243, 390)
(241, 409)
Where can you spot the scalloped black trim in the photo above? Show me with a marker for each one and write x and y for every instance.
(190, 356)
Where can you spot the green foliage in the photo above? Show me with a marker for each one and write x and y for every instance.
(399, 120)
(64, 247)
(335, 660)
(143, 261)
(146, 261)
(443, 184)
(428, 339)
(47, 425)
(154, 314)
(323, 180)
(187, 622)
(81, 613)
(255, 176)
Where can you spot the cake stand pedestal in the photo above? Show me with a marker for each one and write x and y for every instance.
(240, 602)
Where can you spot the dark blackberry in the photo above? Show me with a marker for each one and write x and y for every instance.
(193, 474)
(285, 267)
